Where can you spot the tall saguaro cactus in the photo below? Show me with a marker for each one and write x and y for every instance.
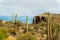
(50, 31)
(15, 18)
(15, 28)
(48, 35)
(27, 23)
(49, 28)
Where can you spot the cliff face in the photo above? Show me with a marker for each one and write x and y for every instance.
(44, 17)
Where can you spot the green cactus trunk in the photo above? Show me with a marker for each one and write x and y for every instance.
(15, 28)
(50, 32)
(48, 35)
(27, 23)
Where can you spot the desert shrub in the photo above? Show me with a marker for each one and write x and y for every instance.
(10, 30)
(41, 23)
(3, 33)
(27, 36)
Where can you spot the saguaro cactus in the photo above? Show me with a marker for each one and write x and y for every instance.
(27, 23)
(50, 32)
(15, 28)
(15, 18)
(48, 35)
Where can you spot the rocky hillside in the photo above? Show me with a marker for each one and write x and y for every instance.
(41, 22)
(53, 17)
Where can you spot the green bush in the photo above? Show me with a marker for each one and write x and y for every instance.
(27, 36)
(41, 23)
(3, 33)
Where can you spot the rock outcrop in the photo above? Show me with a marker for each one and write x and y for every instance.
(44, 17)
(38, 19)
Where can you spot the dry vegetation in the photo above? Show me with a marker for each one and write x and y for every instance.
(35, 32)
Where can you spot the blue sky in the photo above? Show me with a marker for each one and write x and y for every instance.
(28, 7)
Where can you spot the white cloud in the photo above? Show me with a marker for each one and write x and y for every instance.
(58, 1)
(28, 7)
(1, 1)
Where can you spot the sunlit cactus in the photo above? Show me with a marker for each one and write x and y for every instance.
(48, 35)
(27, 23)
(50, 31)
